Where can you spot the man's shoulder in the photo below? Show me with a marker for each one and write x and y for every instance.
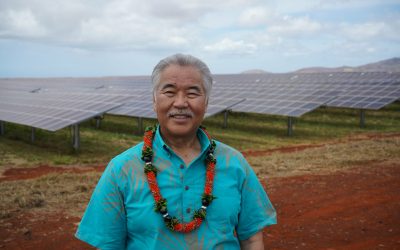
(131, 154)
(225, 150)
(231, 160)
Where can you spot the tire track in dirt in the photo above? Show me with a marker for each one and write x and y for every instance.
(12, 174)
(291, 149)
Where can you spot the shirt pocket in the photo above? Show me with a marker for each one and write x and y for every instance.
(223, 212)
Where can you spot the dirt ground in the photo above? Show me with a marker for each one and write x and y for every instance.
(354, 209)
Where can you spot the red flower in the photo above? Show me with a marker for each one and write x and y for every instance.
(147, 141)
(209, 176)
(207, 189)
(178, 227)
(157, 197)
(198, 221)
(188, 227)
(151, 176)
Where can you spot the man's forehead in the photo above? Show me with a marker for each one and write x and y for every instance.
(176, 76)
(181, 72)
(173, 84)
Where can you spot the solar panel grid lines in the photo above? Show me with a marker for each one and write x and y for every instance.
(44, 109)
(53, 111)
(333, 81)
(289, 86)
(31, 119)
(144, 108)
(71, 101)
(367, 96)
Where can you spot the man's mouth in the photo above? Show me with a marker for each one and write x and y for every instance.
(180, 116)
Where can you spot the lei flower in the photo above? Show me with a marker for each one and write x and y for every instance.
(161, 203)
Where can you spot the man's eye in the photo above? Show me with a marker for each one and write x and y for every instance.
(193, 94)
(169, 93)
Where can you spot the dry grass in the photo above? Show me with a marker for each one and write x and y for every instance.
(328, 158)
(67, 192)
(70, 193)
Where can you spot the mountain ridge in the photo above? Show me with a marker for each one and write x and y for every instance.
(388, 65)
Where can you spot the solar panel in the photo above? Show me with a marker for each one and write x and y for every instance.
(367, 96)
(288, 94)
(340, 89)
(53, 111)
(143, 107)
(275, 99)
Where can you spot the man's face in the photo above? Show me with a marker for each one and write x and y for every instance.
(180, 101)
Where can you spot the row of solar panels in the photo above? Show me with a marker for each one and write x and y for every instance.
(54, 110)
(52, 104)
(230, 79)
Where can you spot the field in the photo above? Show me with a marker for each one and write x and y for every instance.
(334, 185)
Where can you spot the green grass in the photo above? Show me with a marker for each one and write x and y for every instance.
(254, 131)
(245, 131)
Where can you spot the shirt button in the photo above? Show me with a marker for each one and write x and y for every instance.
(181, 166)
(186, 187)
(188, 210)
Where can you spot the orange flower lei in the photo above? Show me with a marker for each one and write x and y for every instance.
(160, 203)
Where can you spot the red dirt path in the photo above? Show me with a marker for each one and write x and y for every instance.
(355, 209)
(13, 174)
(296, 148)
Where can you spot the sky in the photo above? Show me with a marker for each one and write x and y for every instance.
(79, 38)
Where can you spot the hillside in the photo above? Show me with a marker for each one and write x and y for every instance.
(389, 65)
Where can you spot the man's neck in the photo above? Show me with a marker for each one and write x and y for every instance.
(186, 147)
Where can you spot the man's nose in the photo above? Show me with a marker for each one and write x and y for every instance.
(180, 101)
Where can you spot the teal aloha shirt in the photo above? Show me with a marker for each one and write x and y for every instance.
(120, 214)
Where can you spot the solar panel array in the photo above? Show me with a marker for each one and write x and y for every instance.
(140, 103)
(296, 94)
(41, 102)
(277, 100)
(369, 91)
(52, 104)
(53, 111)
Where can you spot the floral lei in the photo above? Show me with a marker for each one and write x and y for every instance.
(161, 203)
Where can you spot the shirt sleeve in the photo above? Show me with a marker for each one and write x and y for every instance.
(104, 223)
(256, 211)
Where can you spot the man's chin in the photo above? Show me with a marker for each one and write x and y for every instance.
(181, 121)
(181, 130)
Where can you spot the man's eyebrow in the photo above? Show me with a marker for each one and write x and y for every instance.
(196, 88)
(168, 85)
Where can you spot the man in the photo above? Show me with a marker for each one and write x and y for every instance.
(179, 189)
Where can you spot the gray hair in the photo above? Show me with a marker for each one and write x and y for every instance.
(183, 60)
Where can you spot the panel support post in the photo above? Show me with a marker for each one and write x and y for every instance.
(140, 125)
(290, 126)
(2, 128)
(225, 119)
(98, 121)
(76, 138)
(362, 118)
(32, 134)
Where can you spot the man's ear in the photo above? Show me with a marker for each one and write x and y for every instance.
(154, 103)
